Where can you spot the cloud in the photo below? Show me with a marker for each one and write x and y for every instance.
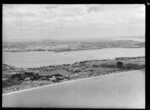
(64, 14)
(56, 17)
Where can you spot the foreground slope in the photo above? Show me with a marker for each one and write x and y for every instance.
(126, 89)
(15, 79)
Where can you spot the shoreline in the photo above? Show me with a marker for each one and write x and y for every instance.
(55, 65)
(51, 75)
(69, 81)
(59, 51)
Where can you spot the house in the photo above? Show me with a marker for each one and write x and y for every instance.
(27, 79)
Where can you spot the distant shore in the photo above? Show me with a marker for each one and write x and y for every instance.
(65, 46)
(62, 50)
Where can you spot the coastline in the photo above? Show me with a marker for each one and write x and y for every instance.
(71, 50)
(70, 81)
(70, 72)
(126, 89)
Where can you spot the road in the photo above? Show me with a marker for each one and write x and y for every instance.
(118, 90)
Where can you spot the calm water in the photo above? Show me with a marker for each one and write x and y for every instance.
(42, 58)
(119, 90)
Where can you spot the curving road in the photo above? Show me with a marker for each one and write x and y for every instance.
(119, 90)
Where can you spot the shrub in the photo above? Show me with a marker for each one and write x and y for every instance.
(108, 65)
(91, 70)
(23, 76)
(17, 76)
(76, 71)
(36, 77)
(95, 65)
(133, 66)
(9, 82)
(119, 64)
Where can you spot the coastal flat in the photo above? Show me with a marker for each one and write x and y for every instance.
(126, 89)
(15, 79)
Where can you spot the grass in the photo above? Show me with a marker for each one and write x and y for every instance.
(54, 74)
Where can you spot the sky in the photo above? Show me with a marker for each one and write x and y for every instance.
(72, 21)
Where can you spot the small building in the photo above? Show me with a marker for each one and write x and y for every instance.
(53, 78)
(27, 79)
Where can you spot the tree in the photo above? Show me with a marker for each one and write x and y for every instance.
(119, 64)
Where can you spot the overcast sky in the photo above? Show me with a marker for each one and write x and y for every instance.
(94, 21)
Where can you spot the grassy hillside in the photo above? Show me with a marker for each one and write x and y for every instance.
(31, 77)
